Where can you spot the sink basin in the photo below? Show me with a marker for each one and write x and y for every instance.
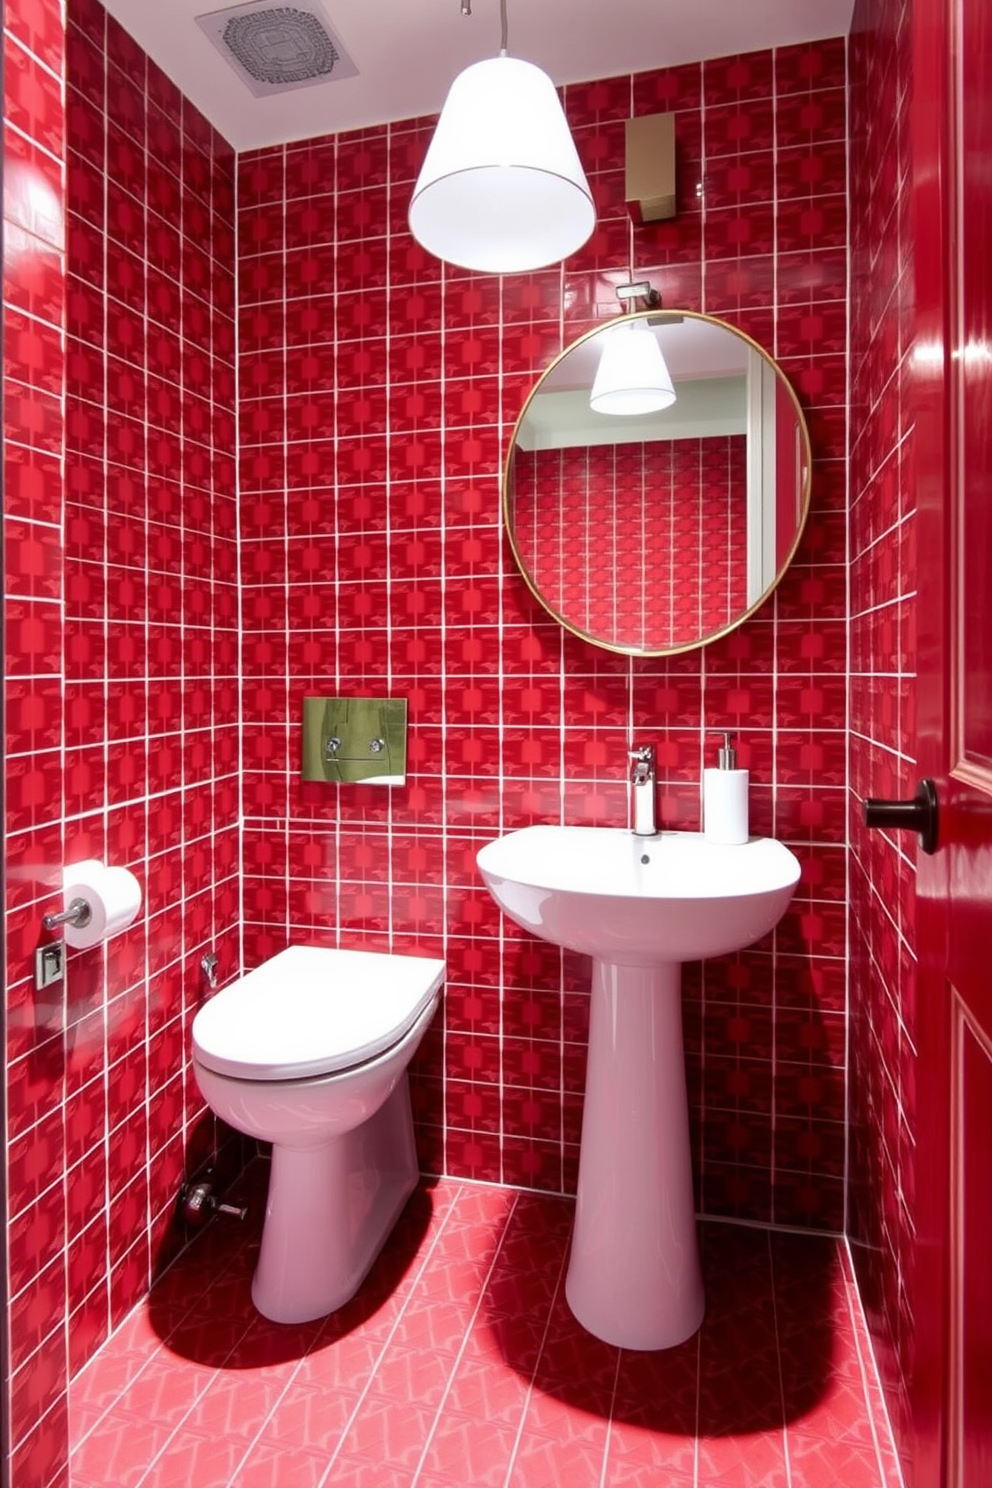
(639, 906)
(639, 900)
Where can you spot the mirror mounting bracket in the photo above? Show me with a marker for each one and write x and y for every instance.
(641, 290)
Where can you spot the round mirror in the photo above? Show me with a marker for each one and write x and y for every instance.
(653, 532)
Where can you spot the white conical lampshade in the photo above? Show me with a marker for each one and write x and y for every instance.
(502, 188)
(632, 376)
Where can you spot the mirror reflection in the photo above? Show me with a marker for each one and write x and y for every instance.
(653, 532)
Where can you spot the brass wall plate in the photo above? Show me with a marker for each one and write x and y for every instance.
(355, 740)
(650, 167)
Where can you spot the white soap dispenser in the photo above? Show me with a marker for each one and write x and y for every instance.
(725, 798)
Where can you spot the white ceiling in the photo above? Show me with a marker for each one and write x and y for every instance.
(408, 51)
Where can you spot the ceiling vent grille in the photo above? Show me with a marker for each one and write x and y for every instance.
(276, 48)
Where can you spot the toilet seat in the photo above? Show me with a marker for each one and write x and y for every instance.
(312, 1011)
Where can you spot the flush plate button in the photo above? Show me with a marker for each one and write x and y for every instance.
(355, 740)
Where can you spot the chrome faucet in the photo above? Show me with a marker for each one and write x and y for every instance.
(642, 791)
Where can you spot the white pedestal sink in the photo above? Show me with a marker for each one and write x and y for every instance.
(639, 906)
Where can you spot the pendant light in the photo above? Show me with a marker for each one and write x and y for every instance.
(502, 189)
(632, 375)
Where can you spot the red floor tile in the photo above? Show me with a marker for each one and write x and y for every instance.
(483, 1392)
(412, 1376)
(577, 1460)
(208, 1461)
(311, 1417)
(753, 1460)
(469, 1450)
(235, 1405)
(824, 1464)
(639, 1450)
(389, 1432)
(269, 1466)
(459, 1364)
(119, 1451)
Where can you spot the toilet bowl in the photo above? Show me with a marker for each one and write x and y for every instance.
(310, 1052)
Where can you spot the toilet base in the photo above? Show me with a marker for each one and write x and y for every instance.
(329, 1210)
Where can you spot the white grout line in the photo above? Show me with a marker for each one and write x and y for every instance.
(778, 1358)
(328, 1476)
(868, 1368)
(239, 598)
(699, 1401)
(529, 1393)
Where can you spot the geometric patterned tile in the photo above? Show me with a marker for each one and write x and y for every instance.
(377, 1391)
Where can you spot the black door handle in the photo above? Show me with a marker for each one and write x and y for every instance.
(917, 815)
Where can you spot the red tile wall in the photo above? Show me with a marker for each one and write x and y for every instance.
(33, 328)
(648, 513)
(883, 659)
(378, 390)
(121, 679)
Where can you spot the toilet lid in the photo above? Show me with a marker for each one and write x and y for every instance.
(310, 1011)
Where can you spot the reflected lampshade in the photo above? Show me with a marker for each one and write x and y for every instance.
(632, 376)
(502, 189)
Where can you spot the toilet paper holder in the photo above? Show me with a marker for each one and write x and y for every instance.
(98, 903)
(78, 913)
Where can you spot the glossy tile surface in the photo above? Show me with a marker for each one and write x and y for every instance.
(883, 643)
(120, 702)
(34, 797)
(459, 1365)
(378, 390)
(660, 579)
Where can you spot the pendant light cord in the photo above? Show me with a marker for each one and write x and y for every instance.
(502, 22)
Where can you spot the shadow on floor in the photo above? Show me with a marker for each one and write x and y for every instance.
(202, 1309)
(776, 1318)
(775, 1327)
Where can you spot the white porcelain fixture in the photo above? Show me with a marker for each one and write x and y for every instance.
(639, 907)
(310, 1052)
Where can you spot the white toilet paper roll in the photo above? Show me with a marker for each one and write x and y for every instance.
(114, 898)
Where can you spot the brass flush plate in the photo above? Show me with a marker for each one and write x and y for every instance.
(355, 740)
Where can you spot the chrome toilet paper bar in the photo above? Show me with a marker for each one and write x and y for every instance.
(99, 902)
(78, 913)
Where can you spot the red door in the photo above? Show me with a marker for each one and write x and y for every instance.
(952, 146)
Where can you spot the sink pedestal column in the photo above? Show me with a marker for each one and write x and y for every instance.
(634, 1278)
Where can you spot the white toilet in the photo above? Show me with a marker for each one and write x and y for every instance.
(310, 1052)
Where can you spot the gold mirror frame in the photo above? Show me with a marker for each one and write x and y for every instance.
(656, 317)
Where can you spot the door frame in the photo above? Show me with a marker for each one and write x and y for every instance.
(934, 142)
(4, 1298)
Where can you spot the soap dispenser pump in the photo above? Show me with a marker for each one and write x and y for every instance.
(725, 798)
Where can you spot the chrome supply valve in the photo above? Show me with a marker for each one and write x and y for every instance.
(643, 777)
(199, 1203)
